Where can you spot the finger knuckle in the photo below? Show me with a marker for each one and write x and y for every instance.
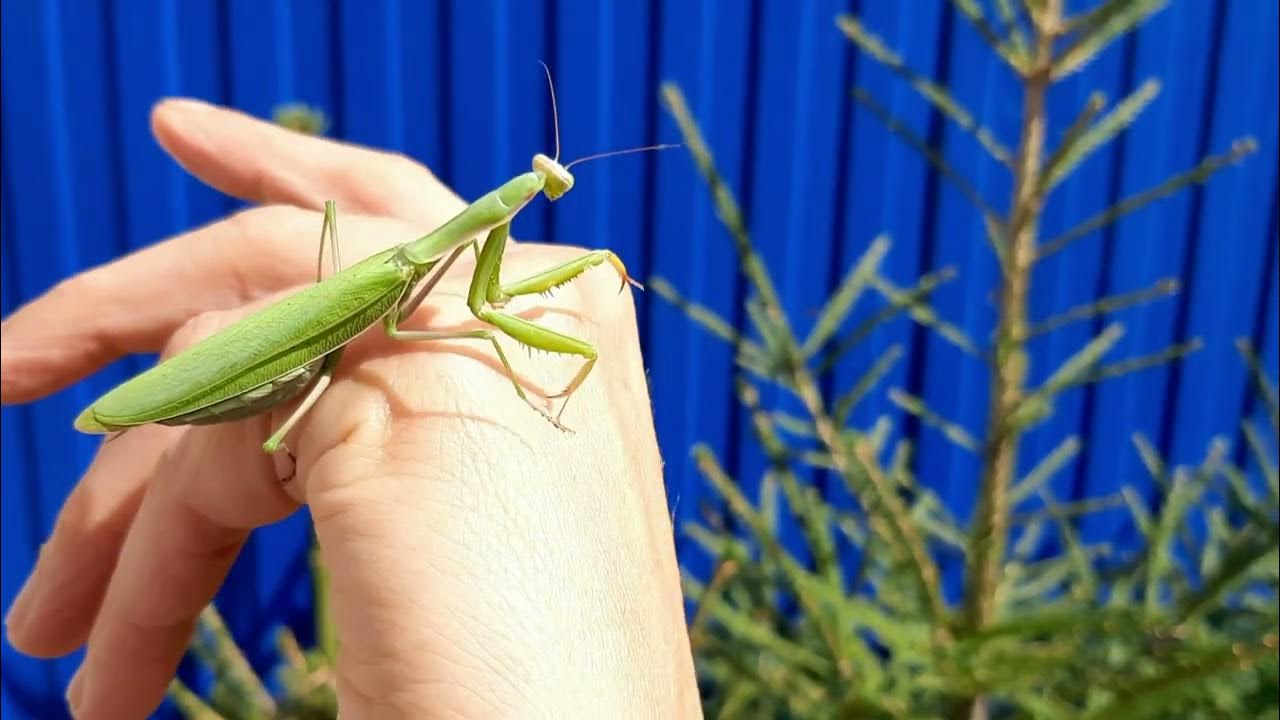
(195, 329)
(256, 233)
(398, 165)
(378, 185)
(254, 223)
(81, 285)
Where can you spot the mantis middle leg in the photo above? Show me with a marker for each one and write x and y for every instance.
(324, 375)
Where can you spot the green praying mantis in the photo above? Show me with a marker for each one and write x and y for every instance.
(291, 348)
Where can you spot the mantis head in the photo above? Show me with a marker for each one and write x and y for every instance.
(556, 176)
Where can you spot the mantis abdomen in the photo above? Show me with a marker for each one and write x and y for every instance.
(257, 359)
(250, 403)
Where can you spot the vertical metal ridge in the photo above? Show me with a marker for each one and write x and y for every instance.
(180, 206)
(648, 230)
(604, 112)
(394, 57)
(444, 37)
(1204, 130)
(502, 108)
(61, 162)
(552, 52)
(286, 83)
(337, 79)
(738, 423)
(114, 131)
(1115, 191)
(927, 247)
(111, 118)
(842, 255)
(803, 143)
(1261, 313)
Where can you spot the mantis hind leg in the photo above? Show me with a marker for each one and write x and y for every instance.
(329, 229)
(324, 377)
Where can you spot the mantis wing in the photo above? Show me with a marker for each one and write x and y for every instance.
(266, 345)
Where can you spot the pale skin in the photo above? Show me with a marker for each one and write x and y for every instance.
(484, 564)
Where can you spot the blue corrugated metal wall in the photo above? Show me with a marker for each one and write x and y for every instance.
(457, 85)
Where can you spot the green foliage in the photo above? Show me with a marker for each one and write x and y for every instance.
(305, 678)
(816, 610)
(301, 117)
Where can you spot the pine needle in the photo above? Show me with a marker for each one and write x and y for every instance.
(935, 94)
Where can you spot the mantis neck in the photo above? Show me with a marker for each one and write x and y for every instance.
(497, 207)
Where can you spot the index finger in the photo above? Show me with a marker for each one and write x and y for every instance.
(264, 163)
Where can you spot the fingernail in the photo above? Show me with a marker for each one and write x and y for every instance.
(194, 104)
(75, 691)
(183, 106)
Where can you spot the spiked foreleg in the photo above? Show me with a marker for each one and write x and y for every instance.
(487, 289)
(563, 274)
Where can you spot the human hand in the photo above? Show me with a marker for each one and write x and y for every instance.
(482, 563)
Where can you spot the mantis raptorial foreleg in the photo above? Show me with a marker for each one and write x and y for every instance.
(487, 289)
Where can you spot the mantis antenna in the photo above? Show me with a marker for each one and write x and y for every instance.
(556, 176)
(555, 114)
(628, 151)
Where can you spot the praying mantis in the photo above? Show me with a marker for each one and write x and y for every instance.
(292, 347)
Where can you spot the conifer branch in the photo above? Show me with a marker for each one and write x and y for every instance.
(1196, 175)
(1013, 52)
(837, 308)
(953, 431)
(927, 316)
(214, 646)
(1094, 30)
(191, 705)
(1263, 385)
(930, 154)
(901, 301)
(846, 403)
(1079, 146)
(1119, 301)
(935, 94)
(1048, 466)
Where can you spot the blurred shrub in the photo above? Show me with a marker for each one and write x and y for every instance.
(851, 620)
